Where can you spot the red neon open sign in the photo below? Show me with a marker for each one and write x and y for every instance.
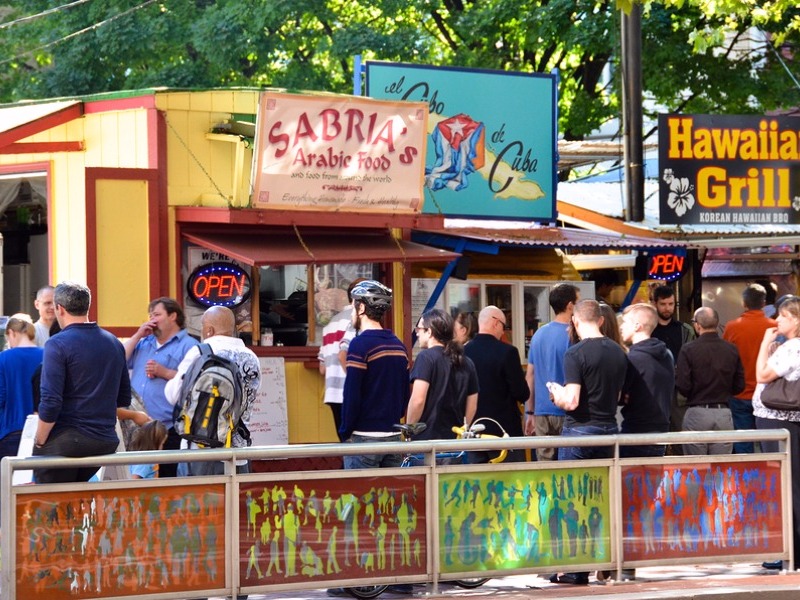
(219, 284)
(667, 266)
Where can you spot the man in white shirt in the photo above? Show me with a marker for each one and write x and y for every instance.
(47, 314)
(218, 330)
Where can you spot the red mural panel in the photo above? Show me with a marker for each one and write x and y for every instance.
(679, 511)
(120, 542)
(326, 529)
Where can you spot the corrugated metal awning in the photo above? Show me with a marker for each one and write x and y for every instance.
(549, 237)
(319, 248)
(746, 268)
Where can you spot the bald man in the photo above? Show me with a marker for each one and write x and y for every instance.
(501, 380)
(709, 371)
(218, 330)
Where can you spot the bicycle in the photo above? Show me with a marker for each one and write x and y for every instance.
(408, 432)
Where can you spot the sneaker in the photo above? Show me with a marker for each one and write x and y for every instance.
(571, 578)
(775, 565)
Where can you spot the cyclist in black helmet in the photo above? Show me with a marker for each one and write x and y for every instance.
(376, 387)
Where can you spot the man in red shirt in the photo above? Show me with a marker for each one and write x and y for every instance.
(746, 334)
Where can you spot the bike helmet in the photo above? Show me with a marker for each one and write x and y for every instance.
(372, 293)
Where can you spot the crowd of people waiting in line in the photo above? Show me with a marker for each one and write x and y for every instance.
(589, 372)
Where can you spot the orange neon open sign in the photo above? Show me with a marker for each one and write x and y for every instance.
(219, 284)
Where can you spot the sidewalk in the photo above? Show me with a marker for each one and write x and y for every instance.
(723, 581)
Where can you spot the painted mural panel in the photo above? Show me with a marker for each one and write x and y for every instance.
(324, 529)
(679, 511)
(120, 542)
(516, 519)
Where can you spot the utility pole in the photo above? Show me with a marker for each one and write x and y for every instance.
(631, 34)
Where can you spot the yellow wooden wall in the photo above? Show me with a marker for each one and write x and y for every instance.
(123, 278)
(200, 171)
(310, 420)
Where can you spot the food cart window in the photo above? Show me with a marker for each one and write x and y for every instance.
(463, 297)
(297, 301)
(537, 310)
(500, 295)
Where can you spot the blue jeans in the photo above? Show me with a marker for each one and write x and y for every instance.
(373, 461)
(742, 413)
(583, 453)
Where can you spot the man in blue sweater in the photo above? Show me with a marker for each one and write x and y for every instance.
(84, 381)
(376, 386)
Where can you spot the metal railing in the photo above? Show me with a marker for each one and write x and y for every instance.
(668, 510)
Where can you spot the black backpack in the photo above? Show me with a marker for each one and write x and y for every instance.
(209, 409)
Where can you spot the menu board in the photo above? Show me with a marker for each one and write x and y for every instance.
(269, 420)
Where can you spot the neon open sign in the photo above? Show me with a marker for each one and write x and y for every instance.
(667, 266)
(219, 284)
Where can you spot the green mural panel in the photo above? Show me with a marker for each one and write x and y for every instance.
(518, 519)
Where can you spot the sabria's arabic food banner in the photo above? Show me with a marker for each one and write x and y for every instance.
(339, 153)
(491, 137)
(729, 169)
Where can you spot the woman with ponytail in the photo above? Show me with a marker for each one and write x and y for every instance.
(444, 383)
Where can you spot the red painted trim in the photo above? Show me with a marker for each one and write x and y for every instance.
(250, 216)
(122, 332)
(41, 147)
(54, 119)
(158, 203)
(111, 104)
(157, 225)
(26, 168)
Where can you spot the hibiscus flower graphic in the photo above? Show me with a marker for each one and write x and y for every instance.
(680, 197)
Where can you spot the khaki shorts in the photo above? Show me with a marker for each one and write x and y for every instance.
(547, 425)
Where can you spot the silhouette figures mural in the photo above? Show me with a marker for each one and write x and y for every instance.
(701, 510)
(294, 530)
(508, 520)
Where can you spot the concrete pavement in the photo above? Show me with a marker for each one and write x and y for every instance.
(717, 581)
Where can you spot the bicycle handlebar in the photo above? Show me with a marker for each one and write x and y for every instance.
(474, 431)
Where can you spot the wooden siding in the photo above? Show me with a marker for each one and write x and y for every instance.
(123, 277)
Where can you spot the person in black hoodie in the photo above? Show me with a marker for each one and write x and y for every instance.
(649, 382)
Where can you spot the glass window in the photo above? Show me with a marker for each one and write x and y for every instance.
(330, 291)
(283, 303)
(501, 296)
(463, 297)
(295, 315)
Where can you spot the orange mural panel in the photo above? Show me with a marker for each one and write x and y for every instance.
(120, 542)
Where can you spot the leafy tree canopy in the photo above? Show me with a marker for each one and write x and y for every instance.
(728, 56)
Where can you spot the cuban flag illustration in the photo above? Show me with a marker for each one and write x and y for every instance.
(459, 143)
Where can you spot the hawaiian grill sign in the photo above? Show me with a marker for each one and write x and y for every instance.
(339, 153)
(729, 169)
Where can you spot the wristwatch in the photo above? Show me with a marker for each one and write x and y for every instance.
(529, 412)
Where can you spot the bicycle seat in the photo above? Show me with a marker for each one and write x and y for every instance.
(409, 430)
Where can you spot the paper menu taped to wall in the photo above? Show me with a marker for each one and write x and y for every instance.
(269, 421)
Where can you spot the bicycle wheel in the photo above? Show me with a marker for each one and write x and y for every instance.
(472, 582)
(367, 591)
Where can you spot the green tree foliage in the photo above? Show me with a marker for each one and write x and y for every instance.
(699, 55)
